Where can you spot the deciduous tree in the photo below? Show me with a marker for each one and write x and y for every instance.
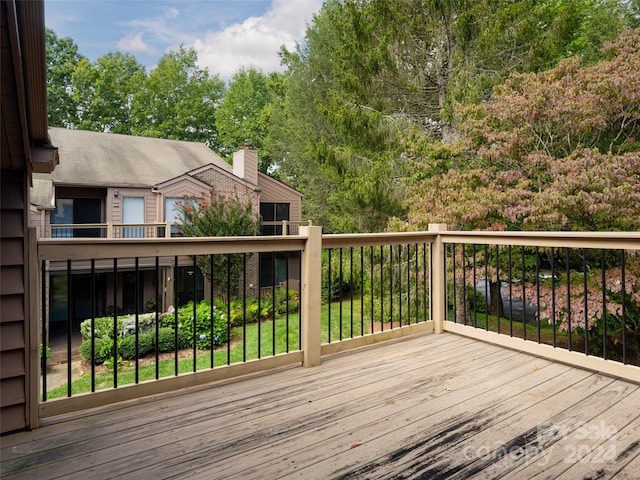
(178, 101)
(62, 59)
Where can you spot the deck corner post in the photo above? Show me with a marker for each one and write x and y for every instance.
(311, 301)
(438, 280)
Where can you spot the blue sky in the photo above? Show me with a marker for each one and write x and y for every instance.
(227, 34)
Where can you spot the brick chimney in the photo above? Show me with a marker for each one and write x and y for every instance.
(245, 164)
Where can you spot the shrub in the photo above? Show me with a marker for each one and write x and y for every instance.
(126, 325)
(103, 327)
(166, 340)
(203, 322)
(103, 350)
(477, 300)
(146, 344)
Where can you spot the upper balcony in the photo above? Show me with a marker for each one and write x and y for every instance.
(561, 398)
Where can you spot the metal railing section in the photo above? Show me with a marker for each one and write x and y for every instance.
(372, 284)
(130, 311)
(578, 292)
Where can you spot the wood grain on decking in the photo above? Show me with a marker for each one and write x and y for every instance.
(430, 406)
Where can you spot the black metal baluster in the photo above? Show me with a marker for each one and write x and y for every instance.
(586, 301)
(361, 290)
(340, 286)
(391, 284)
(604, 305)
(475, 282)
(93, 324)
(553, 296)
(538, 291)
(524, 297)
(70, 303)
(229, 305)
(273, 305)
(157, 342)
(400, 285)
(487, 293)
(175, 315)
(568, 299)
(137, 318)
(400, 263)
(624, 307)
(299, 304)
(260, 312)
(381, 289)
(244, 309)
(499, 292)
(195, 314)
(116, 334)
(329, 295)
(213, 314)
(286, 287)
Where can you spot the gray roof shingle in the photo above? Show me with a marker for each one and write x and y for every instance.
(109, 159)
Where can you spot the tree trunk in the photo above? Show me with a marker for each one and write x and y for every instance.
(463, 311)
(497, 307)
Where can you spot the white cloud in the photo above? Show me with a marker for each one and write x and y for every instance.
(256, 41)
(171, 12)
(133, 42)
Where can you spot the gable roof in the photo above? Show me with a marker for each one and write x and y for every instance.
(111, 159)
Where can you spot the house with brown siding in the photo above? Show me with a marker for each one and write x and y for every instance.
(123, 186)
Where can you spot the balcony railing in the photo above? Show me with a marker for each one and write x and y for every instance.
(111, 230)
(289, 300)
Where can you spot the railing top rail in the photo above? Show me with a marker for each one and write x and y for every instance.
(97, 248)
(79, 225)
(375, 239)
(106, 224)
(607, 240)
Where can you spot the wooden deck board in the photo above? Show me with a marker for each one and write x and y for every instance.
(430, 406)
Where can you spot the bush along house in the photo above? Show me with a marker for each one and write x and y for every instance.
(127, 187)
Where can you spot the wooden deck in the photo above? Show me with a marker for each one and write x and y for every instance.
(431, 406)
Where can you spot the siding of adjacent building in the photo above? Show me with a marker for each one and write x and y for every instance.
(23, 117)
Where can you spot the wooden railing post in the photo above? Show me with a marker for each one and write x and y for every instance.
(109, 230)
(438, 280)
(311, 300)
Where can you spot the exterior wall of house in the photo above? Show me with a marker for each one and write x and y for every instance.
(115, 205)
(271, 190)
(14, 303)
(226, 184)
(182, 187)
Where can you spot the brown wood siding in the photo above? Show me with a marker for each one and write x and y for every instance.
(274, 191)
(13, 302)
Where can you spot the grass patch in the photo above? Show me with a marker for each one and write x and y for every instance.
(543, 333)
(252, 341)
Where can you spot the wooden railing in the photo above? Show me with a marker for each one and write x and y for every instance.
(573, 297)
(354, 290)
